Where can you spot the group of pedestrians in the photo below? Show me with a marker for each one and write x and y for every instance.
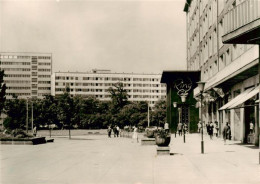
(115, 129)
(182, 127)
(213, 129)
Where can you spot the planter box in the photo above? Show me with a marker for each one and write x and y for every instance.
(163, 150)
(148, 141)
(23, 141)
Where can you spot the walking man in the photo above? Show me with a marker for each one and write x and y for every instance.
(180, 128)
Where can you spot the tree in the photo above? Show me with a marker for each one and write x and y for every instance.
(2, 91)
(66, 109)
(118, 97)
(15, 109)
(159, 113)
(49, 111)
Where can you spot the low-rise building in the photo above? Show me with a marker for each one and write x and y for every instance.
(140, 87)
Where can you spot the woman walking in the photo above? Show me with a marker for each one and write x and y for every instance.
(226, 131)
(135, 134)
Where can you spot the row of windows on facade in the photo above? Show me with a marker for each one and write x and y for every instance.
(28, 88)
(26, 94)
(130, 96)
(106, 84)
(106, 90)
(22, 63)
(25, 69)
(27, 75)
(231, 53)
(106, 78)
(25, 82)
(23, 57)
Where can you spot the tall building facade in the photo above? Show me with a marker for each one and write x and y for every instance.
(140, 87)
(27, 75)
(229, 70)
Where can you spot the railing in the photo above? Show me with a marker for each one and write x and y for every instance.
(244, 13)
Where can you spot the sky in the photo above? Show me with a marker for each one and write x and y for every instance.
(139, 36)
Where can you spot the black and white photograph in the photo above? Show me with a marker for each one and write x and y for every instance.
(129, 91)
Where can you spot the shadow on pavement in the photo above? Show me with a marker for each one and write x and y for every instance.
(82, 139)
(175, 154)
(252, 146)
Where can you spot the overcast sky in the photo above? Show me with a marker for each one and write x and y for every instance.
(140, 36)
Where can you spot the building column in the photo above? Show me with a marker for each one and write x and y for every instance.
(242, 125)
(232, 123)
(218, 119)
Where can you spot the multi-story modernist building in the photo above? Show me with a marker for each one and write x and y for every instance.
(140, 87)
(27, 75)
(229, 70)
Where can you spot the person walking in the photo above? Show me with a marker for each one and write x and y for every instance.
(226, 130)
(199, 126)
(166, 127)
(117, 130)
(179, 127)
(216, 128)
(251, 126)
(34, 131)
(109, 130)
(211, 129)
(135, 134)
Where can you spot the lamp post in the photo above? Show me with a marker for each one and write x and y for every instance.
(201, 88)
(148, 115)
(32, 116)
(183, 99)
(27, 115)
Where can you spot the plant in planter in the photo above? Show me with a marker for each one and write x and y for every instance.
(150, 132)
(162, 137)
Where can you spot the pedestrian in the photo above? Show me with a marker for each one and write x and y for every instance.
(109, 130)
(207, 127)
(185, 128)
(251, 126)
(34, 131)
(117, 130)
(210, 130)
(226, 130)
(199, 126)
(179, 127)
(216, 128)
(135, 134)
(166, 127)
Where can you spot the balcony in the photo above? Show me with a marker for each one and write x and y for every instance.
(242, 24)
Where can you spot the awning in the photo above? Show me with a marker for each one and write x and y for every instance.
(251, 94)
(236, 99)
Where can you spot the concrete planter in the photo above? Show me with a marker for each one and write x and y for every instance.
(162, 141)
(23, 141)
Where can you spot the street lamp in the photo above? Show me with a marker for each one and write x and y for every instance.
(148, 115)
(183, 99)
(27, 115)
(201, 86)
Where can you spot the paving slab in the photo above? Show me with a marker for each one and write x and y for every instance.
(96, 159)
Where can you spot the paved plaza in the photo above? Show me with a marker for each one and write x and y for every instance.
(96, 159)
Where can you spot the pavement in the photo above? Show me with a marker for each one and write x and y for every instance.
(97, 159)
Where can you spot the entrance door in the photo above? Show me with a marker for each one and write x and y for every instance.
(249, 116)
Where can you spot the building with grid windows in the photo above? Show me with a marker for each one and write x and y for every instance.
(27, 75)
(140, 87)
(221, 38)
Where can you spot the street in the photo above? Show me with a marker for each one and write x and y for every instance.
(96, 159)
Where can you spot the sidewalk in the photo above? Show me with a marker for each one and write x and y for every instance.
(230, 163)
(96, 159)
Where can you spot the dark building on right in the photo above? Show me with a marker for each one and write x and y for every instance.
(223, 38)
